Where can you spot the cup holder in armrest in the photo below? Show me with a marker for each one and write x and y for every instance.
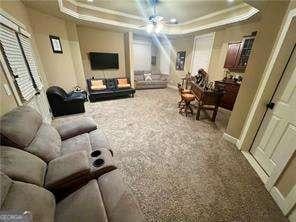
(95, 153)
(98, 162)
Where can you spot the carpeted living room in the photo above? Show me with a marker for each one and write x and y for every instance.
(127, 111)
(179, 169)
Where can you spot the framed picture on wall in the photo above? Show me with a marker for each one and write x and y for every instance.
(153, 60)
(56, 44)
(180, 60)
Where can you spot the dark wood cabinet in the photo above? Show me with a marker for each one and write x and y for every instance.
(232, 53)
(238, 54)
(231, 89)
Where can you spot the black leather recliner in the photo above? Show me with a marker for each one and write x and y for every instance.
(62, 103)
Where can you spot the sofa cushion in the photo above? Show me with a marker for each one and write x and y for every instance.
(21, 165)
(76, 127)
(164, 77)
(46, 144)
(28, 197)
(83, 205)
(156, 77)
(118, 200)
(18, 127)
(122, 86)
(102, 87)
(139, 77)
(98, 140)
(64, 169)
(77, 143)
(5, 184)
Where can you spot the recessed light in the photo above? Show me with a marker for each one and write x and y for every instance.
(173, 20)
(90, 0)
(230, 0)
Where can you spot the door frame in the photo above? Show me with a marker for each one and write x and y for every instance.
(276, 64)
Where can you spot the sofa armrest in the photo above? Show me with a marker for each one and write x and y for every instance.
(118, 197)
(66, 169)
(76, 127)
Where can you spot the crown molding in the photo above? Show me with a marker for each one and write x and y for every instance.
(211, 15)
(107, 11)
(90, 18)
(222, 22)
(169, 29)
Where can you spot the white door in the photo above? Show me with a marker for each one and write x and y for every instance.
(142, 55)
(202, 50)
(275, 142)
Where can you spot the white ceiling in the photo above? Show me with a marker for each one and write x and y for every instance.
(182, 10)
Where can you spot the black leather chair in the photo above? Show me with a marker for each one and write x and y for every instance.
(62, 103)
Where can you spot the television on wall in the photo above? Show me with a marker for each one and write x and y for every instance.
(100, 60)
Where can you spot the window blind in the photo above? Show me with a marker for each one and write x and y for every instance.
(27, 47)
(16, 62)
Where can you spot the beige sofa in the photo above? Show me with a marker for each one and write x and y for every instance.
(44, 164)
(102, 200)
(159, 81)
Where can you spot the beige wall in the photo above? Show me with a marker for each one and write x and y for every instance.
(76, 54)
(227, 35)
(270, 24)
(180, 44)
(96, 40)
(59, 68)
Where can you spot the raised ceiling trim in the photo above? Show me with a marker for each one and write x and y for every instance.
(93, 18)
(169, 29)
(227, 21)
(213, 14)
(107, 11)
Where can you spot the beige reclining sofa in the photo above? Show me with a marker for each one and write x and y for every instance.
(65, 173)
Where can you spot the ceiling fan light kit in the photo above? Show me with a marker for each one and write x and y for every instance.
(173, 21)
(155, 22)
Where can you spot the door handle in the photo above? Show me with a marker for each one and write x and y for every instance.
(270, 105)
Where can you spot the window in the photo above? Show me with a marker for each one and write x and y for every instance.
(27, 47)
(17, 51)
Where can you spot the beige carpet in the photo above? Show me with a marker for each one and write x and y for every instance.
(181, 169)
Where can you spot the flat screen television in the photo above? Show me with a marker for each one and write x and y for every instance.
(99, 60)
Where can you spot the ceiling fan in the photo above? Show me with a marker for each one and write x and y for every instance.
(155, 22)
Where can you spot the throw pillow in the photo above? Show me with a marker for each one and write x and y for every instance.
(97, 82)
(122, 81)
(148, 77)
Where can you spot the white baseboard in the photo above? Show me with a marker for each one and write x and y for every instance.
(260, 172)
(230, 139)
(280, 200)
(172, 87)
(292, 216)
